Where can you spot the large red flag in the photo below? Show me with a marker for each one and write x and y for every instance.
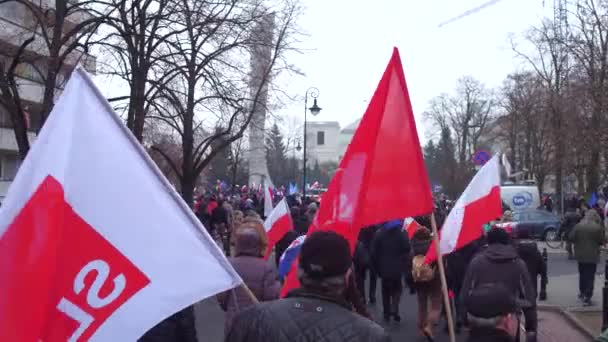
(382, 175)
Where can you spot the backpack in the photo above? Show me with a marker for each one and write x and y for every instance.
(422, 272)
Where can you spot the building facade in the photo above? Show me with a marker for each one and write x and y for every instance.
(326, 141)
(17, 24)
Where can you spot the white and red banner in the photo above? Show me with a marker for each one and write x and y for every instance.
(479, 204)
(277, 224)
(95, 245)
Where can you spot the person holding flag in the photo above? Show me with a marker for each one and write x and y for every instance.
(317, 310)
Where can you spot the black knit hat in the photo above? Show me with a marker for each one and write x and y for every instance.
(490, 300)
(498, 235)
(325, 254)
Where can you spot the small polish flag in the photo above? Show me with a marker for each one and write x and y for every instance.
(410, 226)
(267, 199)
(479, 204)
(95, 244)
(277, 224)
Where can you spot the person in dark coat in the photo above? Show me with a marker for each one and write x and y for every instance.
(389, 254)
(571, 219)
(588, 237)
(178, 327)
(317, 311)
(491, 314)
(457, 263)
(499, 262)
(527, 250)
(363, 265)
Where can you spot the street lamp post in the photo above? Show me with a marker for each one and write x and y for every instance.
(314, 110)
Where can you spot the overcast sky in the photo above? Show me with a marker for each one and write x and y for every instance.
(350, 42)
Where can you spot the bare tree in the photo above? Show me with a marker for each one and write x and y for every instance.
(54, 43)
(466, 114)
(525, 124)
(205, 85)
(588, 44)
(550, 61)
(134, 39)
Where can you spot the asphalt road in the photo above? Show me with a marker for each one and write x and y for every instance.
(210, 318)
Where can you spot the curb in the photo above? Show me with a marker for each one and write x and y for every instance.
(570, 318)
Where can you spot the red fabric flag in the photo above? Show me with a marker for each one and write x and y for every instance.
(382, 175)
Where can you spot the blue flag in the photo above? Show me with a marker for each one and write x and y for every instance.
(293, 188)
(593, 200)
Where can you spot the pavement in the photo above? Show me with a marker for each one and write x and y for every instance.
(554, 325)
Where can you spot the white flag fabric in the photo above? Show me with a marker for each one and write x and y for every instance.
(479, 204)
(95, 245)
(267, 184)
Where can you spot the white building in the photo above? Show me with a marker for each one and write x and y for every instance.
(326, 141)
(16, 25)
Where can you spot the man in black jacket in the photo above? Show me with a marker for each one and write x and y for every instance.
(318, 310)
(491, 310)
(390, 255)
(363, 265)
(500, 263)
(571, 219)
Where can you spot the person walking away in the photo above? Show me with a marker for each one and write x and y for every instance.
(317, 311)
(457, 263)
(527, 249)
(587, 237)
(179, 327)
(219, 220)
(499, 262)
(363, 265)
(571, 219)
(491, 314)
(426, 282)
(389, 253)
(257, 274)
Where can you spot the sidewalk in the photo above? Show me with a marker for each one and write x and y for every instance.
(562, 292)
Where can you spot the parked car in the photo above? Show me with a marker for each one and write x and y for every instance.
(535, 223)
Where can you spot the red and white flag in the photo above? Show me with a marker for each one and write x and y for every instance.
(267, 198)
(277, 224)
(410, 226)
(479, 204)
(95, 245)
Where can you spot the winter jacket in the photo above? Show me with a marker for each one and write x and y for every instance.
(587, 237)
(529, 253)
(571, 219)
(304, 316)
(390, 253)
(489, 335)
(178, 327)
(500, 263)
(457, 264)
(256, 273)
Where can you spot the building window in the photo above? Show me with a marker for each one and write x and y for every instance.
(10, 166)
(320, 138)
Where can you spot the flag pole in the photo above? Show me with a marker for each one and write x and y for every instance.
(249, 293)
(444, 283)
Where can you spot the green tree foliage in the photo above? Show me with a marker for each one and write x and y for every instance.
(276, 157)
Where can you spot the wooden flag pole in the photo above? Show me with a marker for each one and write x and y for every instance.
(444, 283)
(249, 293)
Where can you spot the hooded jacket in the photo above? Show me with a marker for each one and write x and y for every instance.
(500, 263)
